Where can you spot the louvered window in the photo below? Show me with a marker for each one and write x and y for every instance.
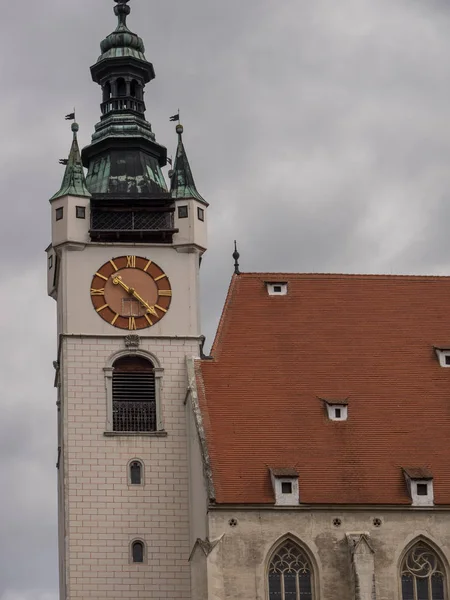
(134, 395)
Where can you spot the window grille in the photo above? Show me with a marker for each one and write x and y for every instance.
(290, 576)
(134, 395)
(137, 552)
(104, 220)
(423, 575)
(136, 473)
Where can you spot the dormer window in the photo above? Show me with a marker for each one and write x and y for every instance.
(277, 288)
(420, 485)
(285, 486)
(337, 410)
(443, 355)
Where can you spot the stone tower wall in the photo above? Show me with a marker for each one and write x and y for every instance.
(100, 512)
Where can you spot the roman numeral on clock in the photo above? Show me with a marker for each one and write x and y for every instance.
(131, 262)
(131, 323)
(99, 292)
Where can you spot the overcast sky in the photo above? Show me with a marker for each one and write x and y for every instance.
(317, 130)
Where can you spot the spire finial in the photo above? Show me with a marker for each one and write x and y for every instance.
(122, 10)
(74, 181)
(236, 257)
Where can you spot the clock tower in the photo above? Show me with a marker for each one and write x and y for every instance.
(123, 267)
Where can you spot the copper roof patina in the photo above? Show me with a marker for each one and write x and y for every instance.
(182, 180)
(74, 181)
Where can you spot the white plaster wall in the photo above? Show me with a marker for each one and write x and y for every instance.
(191, 229)
(102, 513)
(237, 566)
(69, 228)
(79, 265)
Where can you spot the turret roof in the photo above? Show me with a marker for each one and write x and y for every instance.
(74, 181)
(182, 180)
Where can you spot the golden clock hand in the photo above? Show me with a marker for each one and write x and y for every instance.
(132, 292)
(118, 281)
(149, 308)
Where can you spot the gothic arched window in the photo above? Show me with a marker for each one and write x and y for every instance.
(423, 576)
(134, 395)
(290, 574)
(137, 552)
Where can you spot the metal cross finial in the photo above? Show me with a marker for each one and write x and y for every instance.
(236, 257)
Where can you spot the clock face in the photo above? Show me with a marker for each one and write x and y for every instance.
(131, 292)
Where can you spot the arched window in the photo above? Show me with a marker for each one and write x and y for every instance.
(137, 552)
(423, 576)
(121, 87)
(133, 395)
(136, 472)
(106, 91)
(133, 88)
(290, 576)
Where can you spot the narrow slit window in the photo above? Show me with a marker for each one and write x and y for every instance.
(136, 473)
(137, 552)
(200, 214)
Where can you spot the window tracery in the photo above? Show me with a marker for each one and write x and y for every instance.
(290, 574)
(423, 575)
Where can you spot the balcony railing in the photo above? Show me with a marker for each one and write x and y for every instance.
(134, 416)
(123, 103)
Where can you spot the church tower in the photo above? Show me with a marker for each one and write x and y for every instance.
(123, 267)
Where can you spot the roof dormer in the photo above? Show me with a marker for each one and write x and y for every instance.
(443, 355)
(277, 288)
(420, 485)
(337, 410)
(285, 486)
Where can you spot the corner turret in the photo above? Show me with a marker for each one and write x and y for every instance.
(190, 206)
(70, 211)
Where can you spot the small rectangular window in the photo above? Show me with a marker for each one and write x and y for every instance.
(59, 213)
(286, 487)
(81, 212)
(182, 212)
(200, 214)
(337, 413)
(447, 359)
(422, 489)
(277, 288)
(50, 262)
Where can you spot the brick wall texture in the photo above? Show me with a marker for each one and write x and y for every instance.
(102, 512)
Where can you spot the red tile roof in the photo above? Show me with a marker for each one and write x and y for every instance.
(366, 338)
